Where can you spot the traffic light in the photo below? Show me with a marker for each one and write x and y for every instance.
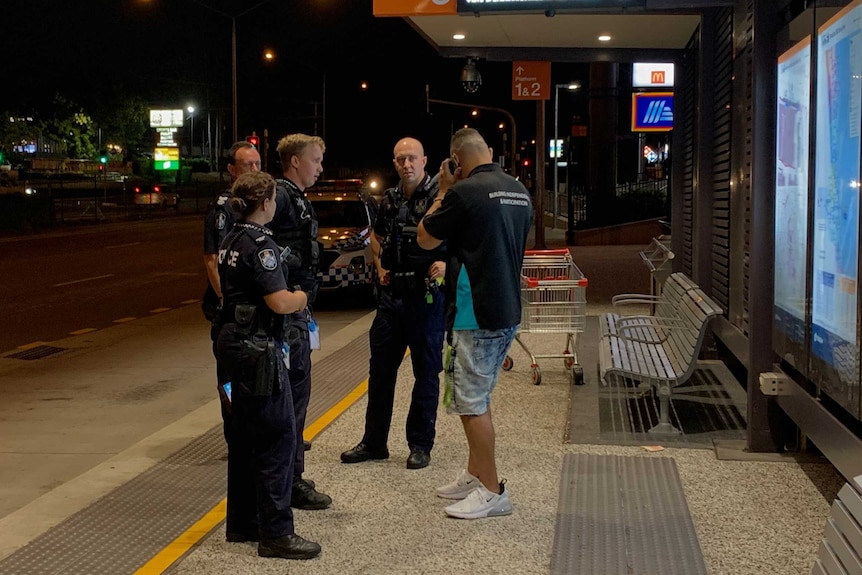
(254, 140)
(103, 157)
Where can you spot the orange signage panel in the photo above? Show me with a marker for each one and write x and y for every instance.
(415, 7)
(531, 80)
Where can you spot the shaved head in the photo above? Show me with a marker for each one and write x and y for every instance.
(409, 160)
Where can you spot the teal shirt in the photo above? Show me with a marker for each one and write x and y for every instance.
(465, 318)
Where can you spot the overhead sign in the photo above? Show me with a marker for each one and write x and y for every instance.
(646, 75)
(531, 80)
(166, 118)
(515, 5)
(652, 112)
(414, 7)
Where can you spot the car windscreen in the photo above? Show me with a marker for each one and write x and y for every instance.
(341, 214)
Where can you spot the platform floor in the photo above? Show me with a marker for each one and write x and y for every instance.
(751, 517)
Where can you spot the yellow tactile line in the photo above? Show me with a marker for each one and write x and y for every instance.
(181, 545)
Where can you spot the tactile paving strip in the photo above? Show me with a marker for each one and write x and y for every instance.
(124, 529)
(623, 515)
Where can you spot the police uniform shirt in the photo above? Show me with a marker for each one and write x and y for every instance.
(250, 265)
(417, 205)
(485, 220)
(218, 223)
(292, 209)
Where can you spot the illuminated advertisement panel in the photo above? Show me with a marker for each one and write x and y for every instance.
(166, 118)
(646, 75)
(652, 112)
(835, 261)
(791, 202)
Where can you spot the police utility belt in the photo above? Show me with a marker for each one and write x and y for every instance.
(408, 273)
(254, 331)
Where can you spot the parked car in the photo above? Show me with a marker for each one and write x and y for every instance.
(345, 213)
(155, 196)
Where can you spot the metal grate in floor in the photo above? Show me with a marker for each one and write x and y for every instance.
(128, 526)
(622, 515)
(37, 352)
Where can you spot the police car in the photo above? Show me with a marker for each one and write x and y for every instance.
(345, 214)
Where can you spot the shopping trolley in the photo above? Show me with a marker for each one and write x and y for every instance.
(552, 301)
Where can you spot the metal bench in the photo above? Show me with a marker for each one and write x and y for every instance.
(665, 306)
(663, 353)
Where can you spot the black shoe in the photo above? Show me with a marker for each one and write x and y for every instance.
(363, 453)
(304, 496)
(289, 547)
(306, 445)
(239, 537)
(418, 459)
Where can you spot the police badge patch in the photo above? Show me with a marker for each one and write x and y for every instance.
(220, 221)
(268, 259)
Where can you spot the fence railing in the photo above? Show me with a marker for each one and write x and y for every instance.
(629, 201)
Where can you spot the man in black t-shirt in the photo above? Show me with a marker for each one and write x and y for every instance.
(484, 216)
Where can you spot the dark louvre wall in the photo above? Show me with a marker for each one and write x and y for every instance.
(723, 114)
(688, 100)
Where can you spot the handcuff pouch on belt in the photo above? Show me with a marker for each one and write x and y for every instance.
(259, 345)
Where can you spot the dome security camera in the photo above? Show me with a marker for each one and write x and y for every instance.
(471, 79)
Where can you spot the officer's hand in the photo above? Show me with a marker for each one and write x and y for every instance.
(382, 276)
(437, 270)
(302, 300)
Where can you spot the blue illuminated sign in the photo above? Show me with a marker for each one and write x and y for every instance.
(652, 112)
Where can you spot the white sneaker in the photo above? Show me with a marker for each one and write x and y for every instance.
(481, 503)
(461, 487)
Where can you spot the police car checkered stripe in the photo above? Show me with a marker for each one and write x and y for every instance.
(344, 274)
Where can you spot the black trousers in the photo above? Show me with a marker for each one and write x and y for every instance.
(401, 323)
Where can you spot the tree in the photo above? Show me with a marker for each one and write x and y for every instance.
(72, 129)
(125, 123)
(17, 129)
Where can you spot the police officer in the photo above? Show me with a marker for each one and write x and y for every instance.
(410, 313)
(295, 228)
(249, 345)
(242, 158)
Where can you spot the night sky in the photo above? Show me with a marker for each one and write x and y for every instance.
(175, 52)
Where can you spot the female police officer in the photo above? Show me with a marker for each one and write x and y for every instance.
(254, 286)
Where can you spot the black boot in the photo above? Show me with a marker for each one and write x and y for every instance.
(289, 547)
(305, 496)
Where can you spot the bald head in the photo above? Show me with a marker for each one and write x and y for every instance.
(409, 160)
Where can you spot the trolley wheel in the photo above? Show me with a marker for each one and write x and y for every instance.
(578, 375)
(568, 361)
(537, 375)
(508, 363)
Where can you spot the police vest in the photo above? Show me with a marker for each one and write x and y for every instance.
(301, 238)
(400, 251)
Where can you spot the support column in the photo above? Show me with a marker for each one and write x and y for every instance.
(602, 179)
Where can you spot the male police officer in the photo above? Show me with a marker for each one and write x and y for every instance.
(242, 158)
(295, 228)
(410, 313)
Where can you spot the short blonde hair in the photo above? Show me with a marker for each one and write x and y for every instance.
(294, 144)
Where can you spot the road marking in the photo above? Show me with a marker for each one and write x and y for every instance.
(83, 331)
(203, 527)
(125, 319)
(83, 280)
(188, 301)
(122, 245)
(159, 309)
(32, 345)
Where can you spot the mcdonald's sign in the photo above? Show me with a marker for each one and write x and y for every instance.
(652, 75)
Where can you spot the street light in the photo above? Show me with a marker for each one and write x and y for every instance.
(572, 86)
(233, 18)
(191, 110)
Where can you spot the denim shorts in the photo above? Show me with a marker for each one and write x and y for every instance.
(473, 370)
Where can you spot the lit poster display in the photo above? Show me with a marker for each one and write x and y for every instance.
(791, 198)
(836, 212)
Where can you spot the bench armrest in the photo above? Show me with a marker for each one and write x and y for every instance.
(633, 298)
(665, 323)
